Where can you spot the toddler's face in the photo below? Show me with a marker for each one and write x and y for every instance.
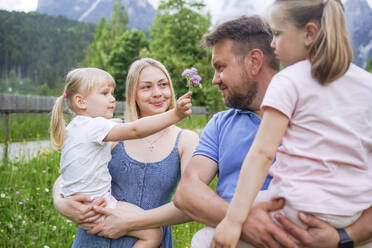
(101, 102)
(288, 40)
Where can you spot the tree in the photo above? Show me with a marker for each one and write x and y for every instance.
(177, 32)
(126, 50)
(369, 65)
(105, 36)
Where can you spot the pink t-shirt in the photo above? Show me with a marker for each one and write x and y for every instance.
(324, 162)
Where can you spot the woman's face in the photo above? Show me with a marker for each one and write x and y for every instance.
(153, 95)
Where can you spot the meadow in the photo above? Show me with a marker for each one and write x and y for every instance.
(28, 217)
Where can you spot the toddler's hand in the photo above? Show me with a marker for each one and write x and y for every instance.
(227, 234)
(183, 105)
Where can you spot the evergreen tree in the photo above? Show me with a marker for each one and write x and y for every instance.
(105, 36)
(369, 65)
(177, 32)
(126, 50)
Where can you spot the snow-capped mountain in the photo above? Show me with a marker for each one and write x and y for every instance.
(359, 22)
(141, 13)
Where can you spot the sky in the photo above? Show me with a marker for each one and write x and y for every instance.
(213, 5)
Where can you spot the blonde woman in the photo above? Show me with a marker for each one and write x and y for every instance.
(145, 172)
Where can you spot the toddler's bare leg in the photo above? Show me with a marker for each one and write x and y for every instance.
(148, 238)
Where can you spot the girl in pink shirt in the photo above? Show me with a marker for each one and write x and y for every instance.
(318, 111)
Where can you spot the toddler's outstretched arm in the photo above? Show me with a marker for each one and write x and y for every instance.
(252, 175)
(151, 124)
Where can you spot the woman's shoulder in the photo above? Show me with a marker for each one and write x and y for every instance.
(188, 137)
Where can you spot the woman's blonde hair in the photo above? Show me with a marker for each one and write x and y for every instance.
(331, 53)
(132, 112)
(78, 81)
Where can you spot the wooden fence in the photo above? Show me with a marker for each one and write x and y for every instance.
(43, 104)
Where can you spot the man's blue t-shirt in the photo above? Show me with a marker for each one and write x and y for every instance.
(226, 139)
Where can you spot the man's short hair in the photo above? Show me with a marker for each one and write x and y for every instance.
(247, 33)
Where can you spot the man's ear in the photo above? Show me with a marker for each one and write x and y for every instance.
(80, 102)
(311, 33)
(254, 61)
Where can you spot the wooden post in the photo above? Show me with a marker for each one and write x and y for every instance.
(6, 138)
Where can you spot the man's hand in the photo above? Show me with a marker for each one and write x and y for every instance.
(319, 234)
(260, 230)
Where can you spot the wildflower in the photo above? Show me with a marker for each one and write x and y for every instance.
(37, 188)
(43, 171)
(54, 228)
(192, 78)
(2, 195)
(17, 192)
(21, 203)
(45, 246)
(46, 190)
(33, 243)
(22, 230)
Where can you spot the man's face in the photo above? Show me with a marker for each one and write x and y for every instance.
(237, 87)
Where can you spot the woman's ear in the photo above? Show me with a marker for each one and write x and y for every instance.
(311, 33)
(253, 61)
(80, 102)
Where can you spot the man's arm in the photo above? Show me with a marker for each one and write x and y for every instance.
(322, 235)
(195, 198)
(361, 230)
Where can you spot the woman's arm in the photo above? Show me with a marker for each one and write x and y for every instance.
(254, 170)
(123, 219)
(78, 208)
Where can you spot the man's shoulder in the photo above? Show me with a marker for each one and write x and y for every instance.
(225, 114)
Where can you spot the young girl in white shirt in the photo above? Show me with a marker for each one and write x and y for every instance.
(318, 111)
(85, 143)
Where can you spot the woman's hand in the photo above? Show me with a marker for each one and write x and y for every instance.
(79, 209)
(227, 234)
(118, 221)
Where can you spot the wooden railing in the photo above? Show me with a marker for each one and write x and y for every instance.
(43, 104)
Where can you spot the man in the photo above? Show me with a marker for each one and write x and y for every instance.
(244, 64)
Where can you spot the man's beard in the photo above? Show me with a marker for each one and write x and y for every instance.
(244, 98)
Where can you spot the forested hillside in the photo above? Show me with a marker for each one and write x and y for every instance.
(38, 49)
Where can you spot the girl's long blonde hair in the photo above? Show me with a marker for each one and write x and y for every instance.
(132, 112)
(331, 53)
(78, 81)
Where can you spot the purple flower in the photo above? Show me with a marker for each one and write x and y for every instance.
(17, 192)
(192, 78)
(43, 171)
(21, 203)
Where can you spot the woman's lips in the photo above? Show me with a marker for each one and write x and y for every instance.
(157, 104)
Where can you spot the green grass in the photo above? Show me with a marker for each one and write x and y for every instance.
(28, 217)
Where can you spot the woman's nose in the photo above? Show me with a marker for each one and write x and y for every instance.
(156, 91)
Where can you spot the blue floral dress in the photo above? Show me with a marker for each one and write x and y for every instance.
(148, 185)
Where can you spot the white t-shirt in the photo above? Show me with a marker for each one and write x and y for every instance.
(85, 157)
(324, 162)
